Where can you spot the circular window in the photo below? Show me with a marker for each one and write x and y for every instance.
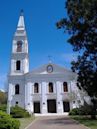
(49, 68)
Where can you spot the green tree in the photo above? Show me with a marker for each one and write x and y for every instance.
(3, 97)
(81, 24)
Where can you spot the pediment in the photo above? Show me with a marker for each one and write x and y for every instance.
(51, 68)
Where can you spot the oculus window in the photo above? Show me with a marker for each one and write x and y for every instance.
(16, 102)
(49, 68)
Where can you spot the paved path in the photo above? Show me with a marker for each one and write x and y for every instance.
(55, 122)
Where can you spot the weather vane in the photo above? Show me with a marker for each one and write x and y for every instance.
(50, 58)
(22, 11)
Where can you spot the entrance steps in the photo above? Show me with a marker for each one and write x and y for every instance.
(52, 114)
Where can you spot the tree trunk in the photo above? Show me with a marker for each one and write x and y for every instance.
(93, 113)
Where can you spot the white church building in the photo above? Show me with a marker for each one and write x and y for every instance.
(47, 89)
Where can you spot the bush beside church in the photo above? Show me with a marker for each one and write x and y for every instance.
(18, 112)
(7, 122)
(82, 110)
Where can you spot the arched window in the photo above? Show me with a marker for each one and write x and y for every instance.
(17, 89)
(50, 87)
(65, 87)
(18, 64)
(36, 88)
(19, 46)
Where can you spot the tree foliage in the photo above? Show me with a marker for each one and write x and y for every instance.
(3, 97)
(6, 122)
(81, 24)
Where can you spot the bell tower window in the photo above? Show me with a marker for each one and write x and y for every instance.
(18, 64)
(19, 46)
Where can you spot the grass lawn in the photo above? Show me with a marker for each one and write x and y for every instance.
(25, 121)
(92, 124)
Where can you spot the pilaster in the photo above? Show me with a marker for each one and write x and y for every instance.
(44, 98)
(59, 102)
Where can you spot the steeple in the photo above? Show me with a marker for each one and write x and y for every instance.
(20, 58)
(21, 24)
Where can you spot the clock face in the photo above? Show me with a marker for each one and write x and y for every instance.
(49, 68)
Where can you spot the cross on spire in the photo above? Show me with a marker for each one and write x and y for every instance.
(22, 12)
(50, 58)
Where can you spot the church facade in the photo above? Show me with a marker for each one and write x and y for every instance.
(47, 89)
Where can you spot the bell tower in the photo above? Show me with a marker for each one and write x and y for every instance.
(19, 57)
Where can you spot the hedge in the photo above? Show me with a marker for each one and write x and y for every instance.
(18, 112)
(7, 122)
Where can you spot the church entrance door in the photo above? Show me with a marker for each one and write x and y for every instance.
(66, 106)
(51, 105)
(36, 107)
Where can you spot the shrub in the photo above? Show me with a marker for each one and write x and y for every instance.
(74, 111)
(15, 123)
(3, 107)
(18, 112)
(83, 110)
(6, 122)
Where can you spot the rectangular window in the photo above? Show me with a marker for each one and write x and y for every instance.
(65, 87)
(50, 86)
(18, 64)
(36, 88)
(17, 89)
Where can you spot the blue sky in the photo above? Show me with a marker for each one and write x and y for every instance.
(43, 36)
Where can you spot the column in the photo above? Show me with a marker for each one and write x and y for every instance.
(59, 98)
(70, 97)
(44, 98)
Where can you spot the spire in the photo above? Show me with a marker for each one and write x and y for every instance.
(21, 24)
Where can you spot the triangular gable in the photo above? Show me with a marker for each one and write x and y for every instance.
(56, 70)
